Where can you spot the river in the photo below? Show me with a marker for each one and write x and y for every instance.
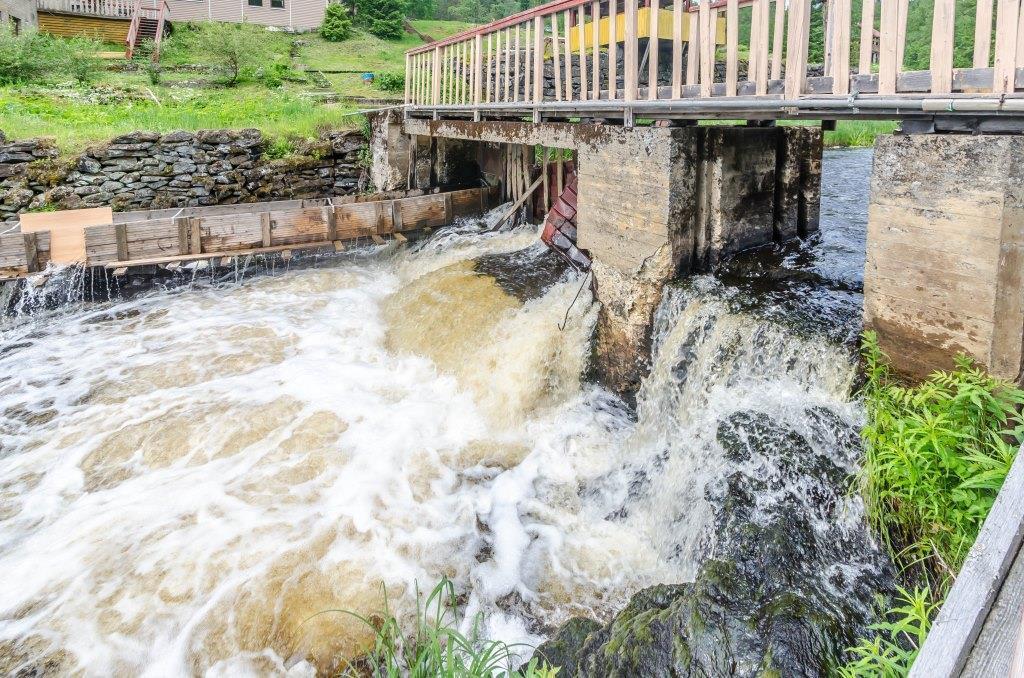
(188, 476)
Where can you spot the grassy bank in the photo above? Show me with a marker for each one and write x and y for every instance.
(852, 133)
(936, 455)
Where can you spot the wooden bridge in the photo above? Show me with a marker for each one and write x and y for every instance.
(596, 59)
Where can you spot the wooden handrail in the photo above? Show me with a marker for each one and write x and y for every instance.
(502, 62)
(133, 30)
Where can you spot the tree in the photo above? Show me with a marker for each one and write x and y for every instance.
(234, 48)
(383, 18)
(336, 26)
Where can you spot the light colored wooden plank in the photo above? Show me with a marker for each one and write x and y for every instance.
(777, 36)
(761, 74)
(528, 62)
(887, 66)
(983, 34)
(488, 69)
(67, 230)
(901, 33)
(677, 48)
(867, 32)
(581, 28)
(478, 61)
(538, 59)
(732, 41)
(569, 81)
(946, 649)
(841, 16)
(693, 49)
(556, 51)
(408, 77)
(652, 50)
(796, 47)
(753, 48)
(1007, 23)
(613, 47)
(631, 64)
(595, 61)
(941, 63)
(515, 69)
(707, 47)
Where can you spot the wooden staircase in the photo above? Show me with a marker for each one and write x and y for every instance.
(148, 23)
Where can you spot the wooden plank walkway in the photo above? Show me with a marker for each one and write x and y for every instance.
(486, 72)
(978, 630)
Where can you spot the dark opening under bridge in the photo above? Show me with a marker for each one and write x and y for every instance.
(596, 59)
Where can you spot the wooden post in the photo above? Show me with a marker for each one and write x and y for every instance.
(515, 77)
(183, 235)
(32, 250)
(613, 50)
(265, 229)
(435, 97)
(652, 50)
(840, 31)
(887, 50)
(796, 47)
(631, 65)
(121, 235)
(581, 32)
(544, 173)
(595, 35)
(761, 76)
(508, 64)
(707, 52)
(528, 63)
(559, 168)
(901, 34)
(478, 83)
(941, 64)
(408, 77)
(331, 219)
(1007, 19)
(568, 59)
(982, 33)
(732, 39)
(538, 59)
(498, 67)
(693, 49)
(867, 36)
(677, 48)
(556, 53)
(487, 70)
(780, 26)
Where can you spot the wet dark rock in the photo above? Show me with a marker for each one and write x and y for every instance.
(525, 274)
(790, 586)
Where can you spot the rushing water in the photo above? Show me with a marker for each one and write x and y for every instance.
(189, 476)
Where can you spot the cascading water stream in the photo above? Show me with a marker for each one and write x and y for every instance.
(188, 476)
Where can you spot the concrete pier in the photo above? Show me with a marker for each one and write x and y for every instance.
(944, 253)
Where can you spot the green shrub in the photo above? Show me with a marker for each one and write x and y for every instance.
(38, 57)
(936, 455)
(892, 651)
(234, 49)
(154, 72)
(336, 26)
(436, 647)
(390, 82)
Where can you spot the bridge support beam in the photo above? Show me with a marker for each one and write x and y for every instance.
(945, 252)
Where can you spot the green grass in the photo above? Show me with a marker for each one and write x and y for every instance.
(76, 124)
(435, 647)
(849, 133)
(936, 454)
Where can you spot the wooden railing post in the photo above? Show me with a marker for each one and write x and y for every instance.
(732, 39)
(887, 49)
(613, 50)
(652, 50)
(941, 63)
(478, 59)
(840, 43)
(1007, 25)
(538, 59)
(982, 33)
(408, 77)
(435, 96)
(631, 65)
(708, 35)
(581, 33)
(797, 39)
(595, 34)
(556, 53)
(867, 36)
(568, 58)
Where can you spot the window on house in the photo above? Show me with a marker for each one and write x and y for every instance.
(255, 3)
(277, 4)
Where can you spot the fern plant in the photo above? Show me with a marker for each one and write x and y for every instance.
(891, 651)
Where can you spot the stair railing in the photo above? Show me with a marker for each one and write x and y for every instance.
(161, 16)
(133, 30)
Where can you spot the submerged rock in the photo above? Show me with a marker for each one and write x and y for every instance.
(790, 585)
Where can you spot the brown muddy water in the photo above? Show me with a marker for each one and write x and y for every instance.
(187, 477)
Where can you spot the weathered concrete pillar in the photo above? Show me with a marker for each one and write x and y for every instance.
(389, 149)
(945, 251)
(798, 181)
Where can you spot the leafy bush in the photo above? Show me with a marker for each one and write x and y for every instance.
(936, 455)
(892, 651)
(38, 57)
(436, 647)
(234, 49)
(383, 18)
(336, 26)
(390, 82)
(279, 148)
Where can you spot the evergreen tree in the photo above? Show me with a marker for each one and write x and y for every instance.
(336, 26)
(383, 18)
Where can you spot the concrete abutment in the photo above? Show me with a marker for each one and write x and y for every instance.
(945, 252)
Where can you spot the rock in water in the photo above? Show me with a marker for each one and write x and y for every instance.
(790, 585)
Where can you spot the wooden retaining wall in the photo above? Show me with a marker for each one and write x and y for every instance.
(166, 236)
(108, 29)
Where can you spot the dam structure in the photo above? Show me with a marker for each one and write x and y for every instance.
(622, 88)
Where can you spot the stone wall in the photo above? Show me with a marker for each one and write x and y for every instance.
(147, 170)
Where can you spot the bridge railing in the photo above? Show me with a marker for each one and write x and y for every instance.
(579, 50)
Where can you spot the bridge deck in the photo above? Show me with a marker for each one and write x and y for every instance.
(595, 59)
